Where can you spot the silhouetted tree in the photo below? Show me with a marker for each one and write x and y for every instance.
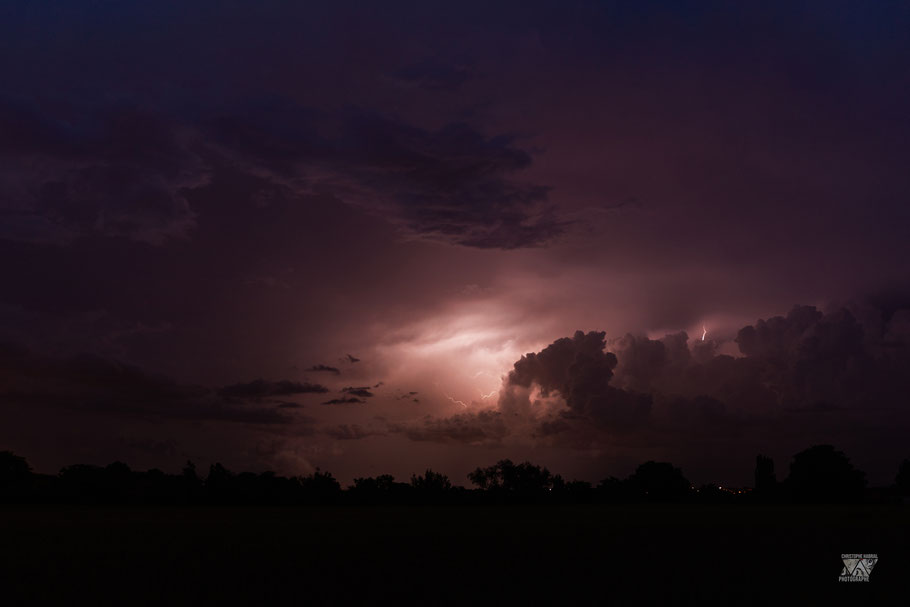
(523, 479)
(611, 489)
(902, 480)
(190, 483)
(765, 479)
(818, 474)
(572, 491)
(219, 483)
(247, 488)
(373, 484)
(431, 482)
(431, 487)
(189, 472)
(824, 474)
(118, 482)
(84, 482)
(658, 481)
(155, 487)
(320, 487)
(711, 493)
(273, 489)
(15, 475)
(380, 489)
(13, 469)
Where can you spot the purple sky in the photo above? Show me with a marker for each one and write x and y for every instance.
(194, 199)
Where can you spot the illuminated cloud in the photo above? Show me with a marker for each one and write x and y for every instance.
(806, 365)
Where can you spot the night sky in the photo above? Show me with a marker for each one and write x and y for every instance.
(376, 238)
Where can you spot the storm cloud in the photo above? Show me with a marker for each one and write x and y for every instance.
(361, 391)
(481, 427)
(351, 432)
(260, 388)
(121, 172)
(805, 377)
(96, 385)
(350, 400)
(193, 196)
(578, 370)
(325, 369)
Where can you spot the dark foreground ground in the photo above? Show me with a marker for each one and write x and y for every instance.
(617, 555)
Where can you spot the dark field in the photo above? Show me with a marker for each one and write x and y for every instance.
(641, 554)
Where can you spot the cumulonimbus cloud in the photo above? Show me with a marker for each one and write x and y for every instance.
(830, 366)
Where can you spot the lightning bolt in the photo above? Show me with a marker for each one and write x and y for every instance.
(486, 396)
(460, 402)
(704, 332)
(456, 401)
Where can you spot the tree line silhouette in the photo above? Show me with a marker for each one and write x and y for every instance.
(820, 474)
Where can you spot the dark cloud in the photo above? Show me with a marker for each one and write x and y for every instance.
(352, 359)
(289, 405)
(795, 361)
(118, 172)
(343, 401)
(362, 391)
(126, 172)
(260, 388)
(553, 367)
(434, 76)
(803, 377)
(777, 336)
(579, 370)
(160, 448)
(808, 358)
(453, 184)
(640, 359)
(482, 427)
(324, 369)
(351, 432)
(93, 384)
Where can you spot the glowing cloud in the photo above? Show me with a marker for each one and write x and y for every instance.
(462, 351)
